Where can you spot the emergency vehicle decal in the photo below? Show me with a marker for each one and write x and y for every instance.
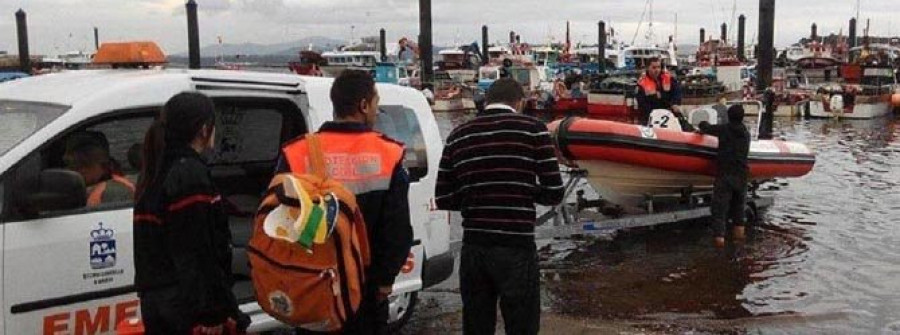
(102, 248)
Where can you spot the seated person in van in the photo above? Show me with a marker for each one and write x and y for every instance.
(87, 154)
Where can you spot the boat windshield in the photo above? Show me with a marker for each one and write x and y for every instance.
(20, 119)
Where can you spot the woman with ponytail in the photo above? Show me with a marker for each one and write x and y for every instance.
(181, 237)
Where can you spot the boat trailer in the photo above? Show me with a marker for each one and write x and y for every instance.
(597, 217)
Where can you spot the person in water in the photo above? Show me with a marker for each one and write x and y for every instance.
(730, 189)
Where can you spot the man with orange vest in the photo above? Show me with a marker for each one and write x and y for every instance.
(657, 89)
(371, 165)
(88, 154)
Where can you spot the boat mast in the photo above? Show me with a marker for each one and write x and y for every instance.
(650, 25)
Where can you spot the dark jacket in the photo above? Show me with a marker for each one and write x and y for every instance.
(734, 146)
(182, 239)
(386, 212)
(493, 170)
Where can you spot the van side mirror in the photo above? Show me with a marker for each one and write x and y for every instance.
(52, 190)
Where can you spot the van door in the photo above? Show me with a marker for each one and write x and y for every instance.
(68, 255)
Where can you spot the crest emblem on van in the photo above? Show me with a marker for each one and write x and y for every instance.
(103, 248)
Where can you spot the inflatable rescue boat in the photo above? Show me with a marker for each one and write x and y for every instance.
(628, 163)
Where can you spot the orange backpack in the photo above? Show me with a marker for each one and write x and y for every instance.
(309, 249)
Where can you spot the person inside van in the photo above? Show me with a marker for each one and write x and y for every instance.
(182, 241)
(88, 154)
(369, 164)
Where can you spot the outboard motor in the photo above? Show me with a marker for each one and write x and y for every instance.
(664, 119)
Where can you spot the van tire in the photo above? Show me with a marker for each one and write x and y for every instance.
(408, 302)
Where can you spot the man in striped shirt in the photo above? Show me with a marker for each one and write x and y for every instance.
(494, 169)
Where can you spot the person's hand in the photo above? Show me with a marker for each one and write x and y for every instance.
(383, 293)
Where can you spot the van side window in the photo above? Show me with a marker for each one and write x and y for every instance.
(90, 167)
(400, 123)
(247, 134)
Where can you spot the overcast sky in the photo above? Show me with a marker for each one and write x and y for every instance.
(57, 26)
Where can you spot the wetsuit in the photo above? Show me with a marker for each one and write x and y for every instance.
(730, 189)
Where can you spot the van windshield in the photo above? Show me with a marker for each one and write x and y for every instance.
(20, 119)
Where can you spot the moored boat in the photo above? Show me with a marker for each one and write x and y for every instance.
(628, 163)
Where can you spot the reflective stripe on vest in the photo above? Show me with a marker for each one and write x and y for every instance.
(95, 196)
(362, 162)
(649, 85)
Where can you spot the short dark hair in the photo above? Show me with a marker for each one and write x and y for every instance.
(504, 90)
(654, 60)
(351, 87)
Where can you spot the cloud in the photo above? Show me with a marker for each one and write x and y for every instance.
(455, 21)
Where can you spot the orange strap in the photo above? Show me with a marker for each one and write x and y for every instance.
(316, 156)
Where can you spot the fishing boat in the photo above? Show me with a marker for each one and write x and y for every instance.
(459, 63)
(628, 164)
(338, 61)
(871, 98)
(308, 64)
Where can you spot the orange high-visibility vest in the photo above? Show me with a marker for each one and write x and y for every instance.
(95, 197)
(649, 85)
(362, 162)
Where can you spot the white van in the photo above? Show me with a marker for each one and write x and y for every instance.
(68, 269)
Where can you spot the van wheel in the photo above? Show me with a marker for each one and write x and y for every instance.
(400, 309)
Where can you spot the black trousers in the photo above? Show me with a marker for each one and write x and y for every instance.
(508, 275)
(163, 314)
(729, 198)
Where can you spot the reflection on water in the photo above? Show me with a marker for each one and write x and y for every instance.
(824, 259)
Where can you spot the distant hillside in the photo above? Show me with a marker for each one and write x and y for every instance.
(255, 49)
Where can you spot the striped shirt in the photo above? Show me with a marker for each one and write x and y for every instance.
(493, 170)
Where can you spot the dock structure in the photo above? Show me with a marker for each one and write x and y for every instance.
(766, 57)
(22, 32)
(425, 43)
(193, 35)
(742, 21)
(601, 46)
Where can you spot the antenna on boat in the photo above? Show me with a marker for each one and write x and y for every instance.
(641, 22)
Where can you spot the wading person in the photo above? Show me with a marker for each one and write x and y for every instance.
(369, 164)
(494, 169)
(658, 89)
(182, 241)
(730, 189)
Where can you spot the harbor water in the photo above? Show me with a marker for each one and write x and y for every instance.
(823, 260)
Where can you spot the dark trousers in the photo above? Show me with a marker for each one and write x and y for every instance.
(372, 316)
(510, 275)
(163, 314)
(370, 319)
(729, 198)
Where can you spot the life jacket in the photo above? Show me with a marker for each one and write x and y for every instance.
(95, 195)
(649, 85)
(362, 162)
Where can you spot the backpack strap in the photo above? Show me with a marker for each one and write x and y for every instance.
(316, 156)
